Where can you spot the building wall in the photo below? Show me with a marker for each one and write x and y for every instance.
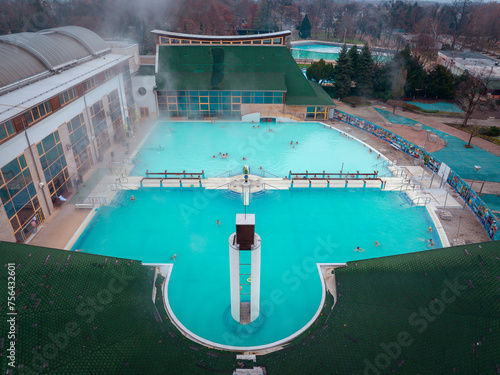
(264, 109)
(58, 120)
(148, 100)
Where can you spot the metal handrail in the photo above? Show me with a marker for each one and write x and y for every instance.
(277, 188)
(93, 200)
(262, 174)
(229, 175)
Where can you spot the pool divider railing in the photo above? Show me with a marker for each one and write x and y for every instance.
(477, 205)
(324, 176)
(178, 176)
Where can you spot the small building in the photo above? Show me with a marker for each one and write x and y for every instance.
(475, 63)
(200, 77)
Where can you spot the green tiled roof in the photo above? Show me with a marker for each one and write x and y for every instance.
(442, 304)
(265, 68)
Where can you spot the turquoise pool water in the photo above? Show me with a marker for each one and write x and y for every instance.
(298, 227)
(190, 146)
(325, 52)
(440, 106)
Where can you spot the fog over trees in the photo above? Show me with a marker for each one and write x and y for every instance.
(461, 23)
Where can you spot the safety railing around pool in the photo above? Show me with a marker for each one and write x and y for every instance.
(175, 175)
(480, 209)
(332, 176)
(180, 179)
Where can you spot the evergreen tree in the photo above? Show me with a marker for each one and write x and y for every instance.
(354, 56)
(364, 82)
(342, 74)
(415, 73)
(440, 83)
(305, 28)
(320, 71)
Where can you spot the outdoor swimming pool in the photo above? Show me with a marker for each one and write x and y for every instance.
(326, 52)
(191, 146)
(298, 227)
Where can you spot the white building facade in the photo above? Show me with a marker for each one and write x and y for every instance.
(65, 98)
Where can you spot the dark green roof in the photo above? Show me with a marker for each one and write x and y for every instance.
(443, 303)
(264, 68)
(146, 70)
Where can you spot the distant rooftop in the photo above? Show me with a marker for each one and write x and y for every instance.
(170, 34)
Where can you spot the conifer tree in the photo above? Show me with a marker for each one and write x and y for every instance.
(364, 82)
(343, 74)
(305, 28)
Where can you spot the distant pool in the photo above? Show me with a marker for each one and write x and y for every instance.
(440, 106)
(298, 227)
(326, 52)
(191, 146)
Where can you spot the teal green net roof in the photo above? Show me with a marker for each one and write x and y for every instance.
(443, 304)
(265, 68)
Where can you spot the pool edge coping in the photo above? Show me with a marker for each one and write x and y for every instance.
(274, 345)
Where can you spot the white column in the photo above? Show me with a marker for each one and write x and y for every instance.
(255, 285)
(234, 276)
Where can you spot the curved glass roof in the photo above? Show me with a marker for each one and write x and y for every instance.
(17, 64)
(93, 42)
(24, 55)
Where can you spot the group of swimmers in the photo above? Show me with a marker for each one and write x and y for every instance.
(223, 156)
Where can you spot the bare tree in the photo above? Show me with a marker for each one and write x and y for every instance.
(470, 92)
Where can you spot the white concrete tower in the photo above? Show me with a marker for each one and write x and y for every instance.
(244, 270)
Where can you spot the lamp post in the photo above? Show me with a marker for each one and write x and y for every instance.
(476, 168)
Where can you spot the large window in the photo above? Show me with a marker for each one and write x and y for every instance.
(53, 161)
(199, 104)
(317, 113)
(67, 96)
(80, 144)
(38, 112)
(89, 84)
(19, 198)
(116, 115)
(100, 126)
(129, 94)
(7, 130)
